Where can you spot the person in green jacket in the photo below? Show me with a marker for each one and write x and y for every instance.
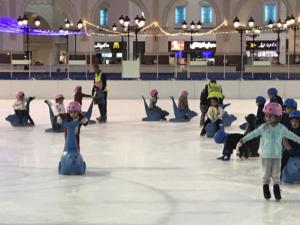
(271, 134)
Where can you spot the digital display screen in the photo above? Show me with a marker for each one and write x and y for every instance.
(262, 54)
(207, 54)
(106, 55)
(177, 46)
(179, 55)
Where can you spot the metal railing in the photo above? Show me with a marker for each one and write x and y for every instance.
(224, 67)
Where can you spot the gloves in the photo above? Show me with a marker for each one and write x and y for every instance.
(59, 120)
(84, 121)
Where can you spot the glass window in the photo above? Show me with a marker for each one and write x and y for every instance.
(206, 15)
(103, 17)
(180, 14)
(270, 12)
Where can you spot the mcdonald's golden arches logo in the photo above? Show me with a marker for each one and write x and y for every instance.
(116, 45)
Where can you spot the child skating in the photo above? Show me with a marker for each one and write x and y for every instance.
(271, 134)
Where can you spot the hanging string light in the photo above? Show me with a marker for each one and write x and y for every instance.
(10, 25)
(155, 24)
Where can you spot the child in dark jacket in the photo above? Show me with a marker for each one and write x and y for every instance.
(204, 105)
(291, 148)
(274, 97)
(250, 148)
(260, 115)
(289, 105)
(79, 95)
(230, 142)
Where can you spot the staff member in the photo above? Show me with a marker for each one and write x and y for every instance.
(214, 90)
(100, 78)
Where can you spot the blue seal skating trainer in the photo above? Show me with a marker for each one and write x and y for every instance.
(71, 162)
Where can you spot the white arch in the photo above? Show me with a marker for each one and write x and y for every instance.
(66, 5)
(97, 6)
(244, 8)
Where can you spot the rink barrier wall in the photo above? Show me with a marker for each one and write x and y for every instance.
(134, 89)
(24, 75)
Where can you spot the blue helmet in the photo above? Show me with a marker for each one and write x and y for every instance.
(289, 102)
(295, 114)
(260, 100)
(272, 91)
(220, 136)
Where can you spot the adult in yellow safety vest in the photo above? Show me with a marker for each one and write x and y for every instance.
(100, 80)
(214, 90)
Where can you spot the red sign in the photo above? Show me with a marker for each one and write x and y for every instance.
(177, 45)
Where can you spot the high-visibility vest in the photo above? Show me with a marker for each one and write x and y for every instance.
(214, 90)
(98, 77)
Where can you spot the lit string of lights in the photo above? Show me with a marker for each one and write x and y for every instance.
(155, 24)
(85, 23)
(10, 25)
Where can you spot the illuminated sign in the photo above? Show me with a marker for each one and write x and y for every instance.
(195, 46)
(203, 45)
(101, 45)
(177, 45)
(116, 45)
(261, 45)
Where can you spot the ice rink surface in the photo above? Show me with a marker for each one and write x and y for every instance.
(138, 173)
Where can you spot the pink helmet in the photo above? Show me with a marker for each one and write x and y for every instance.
(19, 95)
(153, 93)
(59, 96)
(273, 108)
(98, 85)
(184, 93)
(77, 88)
(74, 107)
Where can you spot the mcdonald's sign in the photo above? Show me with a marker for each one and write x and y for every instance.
(116, 45)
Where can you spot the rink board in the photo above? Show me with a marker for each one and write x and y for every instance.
(132, 89)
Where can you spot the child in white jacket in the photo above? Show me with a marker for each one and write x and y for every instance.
(19, 107)
(214, 115)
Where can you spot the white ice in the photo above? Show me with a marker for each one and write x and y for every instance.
(138, 173)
